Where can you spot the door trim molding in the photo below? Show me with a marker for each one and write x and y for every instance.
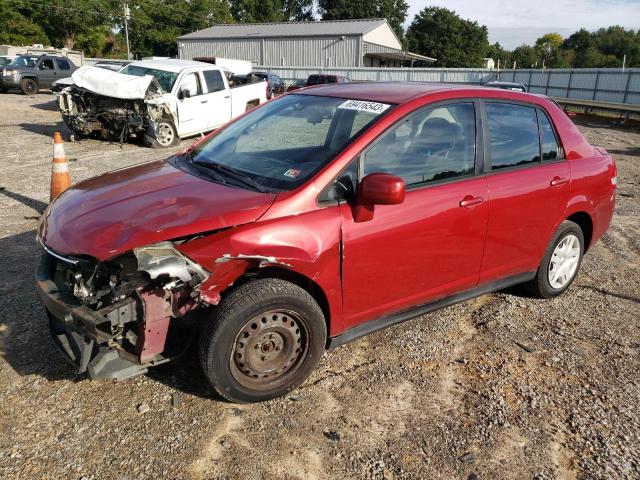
(389, 320)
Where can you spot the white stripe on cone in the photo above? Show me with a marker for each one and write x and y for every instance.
(58, 150)
(60, 167)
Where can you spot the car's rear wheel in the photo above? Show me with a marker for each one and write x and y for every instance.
(561, 262)
(265, 339)
(4, 90)
(28, 86)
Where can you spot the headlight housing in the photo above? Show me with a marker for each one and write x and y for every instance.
(163, 259)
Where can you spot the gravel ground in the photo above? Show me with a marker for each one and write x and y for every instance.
(500, 387)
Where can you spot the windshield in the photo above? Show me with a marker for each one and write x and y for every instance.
(285, 142)
(164, 78)
(5, 61)
(24, 62)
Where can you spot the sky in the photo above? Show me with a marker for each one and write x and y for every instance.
(514, 22)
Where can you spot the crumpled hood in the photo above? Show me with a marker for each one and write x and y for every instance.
(112, 84)
(113, 213)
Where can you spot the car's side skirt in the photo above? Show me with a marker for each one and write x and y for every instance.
(389, 320)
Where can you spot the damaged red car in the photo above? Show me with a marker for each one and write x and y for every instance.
(317, 218)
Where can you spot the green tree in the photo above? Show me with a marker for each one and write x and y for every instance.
(498, 53)
(524, 56)
(154, 25)
(549, 51)
(65, 20)
(616, 42)
(17, 26)
(395, 11)
(454, 42)
(254, 11)
(298, 10)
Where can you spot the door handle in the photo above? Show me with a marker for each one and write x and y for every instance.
(558, 181)
(470, 201)
(204, 101)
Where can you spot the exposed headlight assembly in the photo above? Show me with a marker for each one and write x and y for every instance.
(163, 259)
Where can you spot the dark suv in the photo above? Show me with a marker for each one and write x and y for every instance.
(30, 73)
(320, 79)
(275, 85)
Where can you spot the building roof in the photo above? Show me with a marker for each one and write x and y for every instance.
(393, 53)
(286, 29)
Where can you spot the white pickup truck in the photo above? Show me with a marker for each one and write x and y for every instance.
(160, 101)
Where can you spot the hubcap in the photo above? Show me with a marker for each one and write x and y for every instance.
(564, 261)
(164, 134)
(268, 348)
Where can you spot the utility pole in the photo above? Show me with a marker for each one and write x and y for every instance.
(127, 15)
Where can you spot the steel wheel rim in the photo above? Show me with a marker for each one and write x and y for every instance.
(30, 87)
(165, 134)
(269, 349)
(564, 261)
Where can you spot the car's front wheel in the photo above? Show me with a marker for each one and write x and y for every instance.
(561, 262)
(164, 135)
(264, 340)
(29, 86)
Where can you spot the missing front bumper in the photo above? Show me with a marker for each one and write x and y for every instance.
(75, 332)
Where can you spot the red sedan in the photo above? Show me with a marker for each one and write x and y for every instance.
(317, 218)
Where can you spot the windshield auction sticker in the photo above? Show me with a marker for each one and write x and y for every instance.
(364, 106)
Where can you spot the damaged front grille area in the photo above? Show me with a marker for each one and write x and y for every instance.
(127, 304)
(86, 113)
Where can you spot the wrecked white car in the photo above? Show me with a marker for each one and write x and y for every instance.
(159, 101)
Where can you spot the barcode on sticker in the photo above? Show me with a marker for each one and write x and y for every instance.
(364, 106)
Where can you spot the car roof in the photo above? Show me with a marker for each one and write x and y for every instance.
(506, 84)
(170, 64)
(401, 92)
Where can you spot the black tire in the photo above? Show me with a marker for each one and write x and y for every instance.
(541, 286)
(4, 90)
(29, 86)
(258, 319)
(163, 125)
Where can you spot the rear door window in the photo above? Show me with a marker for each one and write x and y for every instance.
(63, 64)
(513, 135)
(548, 140)
(214, 81)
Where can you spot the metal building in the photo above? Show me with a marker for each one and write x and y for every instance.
(338, 43)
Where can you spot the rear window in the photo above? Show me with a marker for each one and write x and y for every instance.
(513, 135)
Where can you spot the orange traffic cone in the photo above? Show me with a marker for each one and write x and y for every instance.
(60, 176)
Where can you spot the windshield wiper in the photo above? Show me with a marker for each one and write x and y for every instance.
(231, 173)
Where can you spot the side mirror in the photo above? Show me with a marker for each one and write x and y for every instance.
(381, 189)
(377, 189)
(184, 93)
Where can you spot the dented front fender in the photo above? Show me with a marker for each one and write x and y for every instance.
(307, 244)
